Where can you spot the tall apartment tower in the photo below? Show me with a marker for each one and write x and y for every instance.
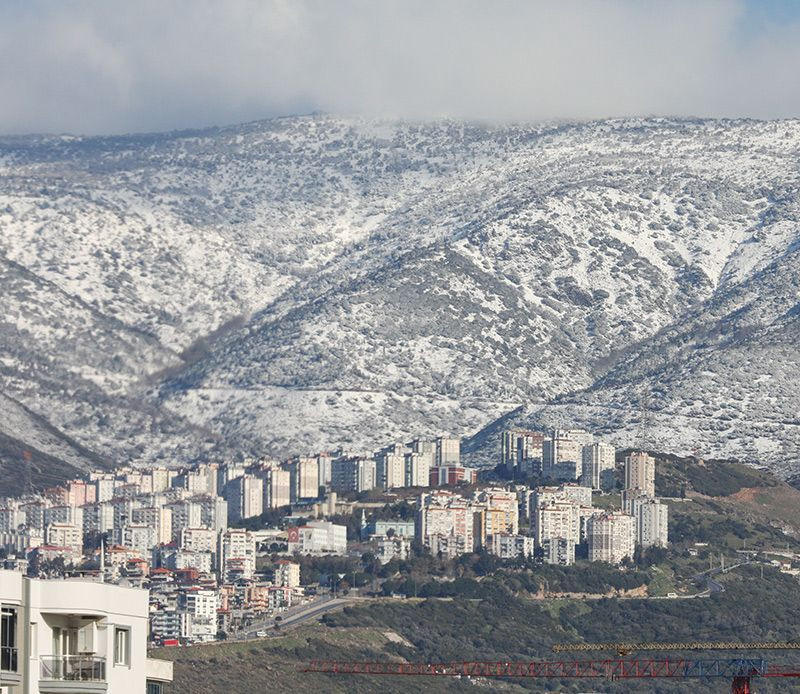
(612, 537)
(448, 451)
(640, 473)
(597, 462)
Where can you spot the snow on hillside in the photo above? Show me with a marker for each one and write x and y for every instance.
(304, 283)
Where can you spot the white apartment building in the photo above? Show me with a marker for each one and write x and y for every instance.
(318, 537)
(304, 474)
(198, 539)
(559, 551)
(558, 519)
(353, 474)
(562, 453)
(75, 636)
(138, 537)
(598, 462)
(202, 605)
(640, 473)
(521, 452)
(446, 523)
(652, 522)
(158, 518)
(287, 574)
(277, 488)
(511, 546)
(612, 537)
(65, 535)
(245, 497)
(185, 514)
(418, 468)
(388, 548)
(98, 518)
(448, 451)
(236, 554)
(391, 470)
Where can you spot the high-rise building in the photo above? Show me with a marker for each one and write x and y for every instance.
(353, 474)
(277, 487)
(640, 473)
(448, 451)
(612, 537)
(236, 554)
(418, 469)
(446, 523)
(651, 521)
(562, 454)
(521, 452)
(391, 469)
(598, 462)
(304, 480)
(245, 497)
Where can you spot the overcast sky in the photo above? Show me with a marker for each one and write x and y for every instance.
(118, 66)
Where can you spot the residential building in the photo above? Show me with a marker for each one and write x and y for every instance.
(508, 546)
(388, 548)
(391, 469)
(559, 551)
(446, 523)
(418, 469)
(598, 465)
(277, 488)
(236, 554)
(652, 522)
(245, 497)
(287, 574)
(612, 537)
(640, 473)
(353, 474)
(75, 636)
(521, 452)
(448, 451)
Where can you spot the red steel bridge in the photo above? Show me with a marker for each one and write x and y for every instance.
(739, 671)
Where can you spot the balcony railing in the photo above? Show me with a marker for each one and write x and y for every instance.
(80, 668)
(8, 659)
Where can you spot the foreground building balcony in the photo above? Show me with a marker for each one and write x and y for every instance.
(72, 673)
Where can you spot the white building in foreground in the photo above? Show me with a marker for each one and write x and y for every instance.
(75, 636)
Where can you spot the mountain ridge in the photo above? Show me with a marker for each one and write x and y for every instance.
(434, 275)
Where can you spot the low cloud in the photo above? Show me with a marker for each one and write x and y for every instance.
(112, 66)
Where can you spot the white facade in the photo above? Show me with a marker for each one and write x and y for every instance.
(448, 451)
(237, 554)
(612, 537)
(640, 473)
(418, 468)
(391, 470)
(318, 537)
(652, 522)
(512, 546)
(598, 461)
(559, 551)
(63, 630)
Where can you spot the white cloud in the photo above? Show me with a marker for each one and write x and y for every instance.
(115, 66)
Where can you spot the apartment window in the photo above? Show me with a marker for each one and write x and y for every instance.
(155, 687)
(122, 646)
(8, 640)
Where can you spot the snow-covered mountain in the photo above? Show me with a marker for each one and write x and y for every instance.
(304, 283)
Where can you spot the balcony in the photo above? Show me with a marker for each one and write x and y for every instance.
(72, 673)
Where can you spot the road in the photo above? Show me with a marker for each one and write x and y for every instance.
(297, 616)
